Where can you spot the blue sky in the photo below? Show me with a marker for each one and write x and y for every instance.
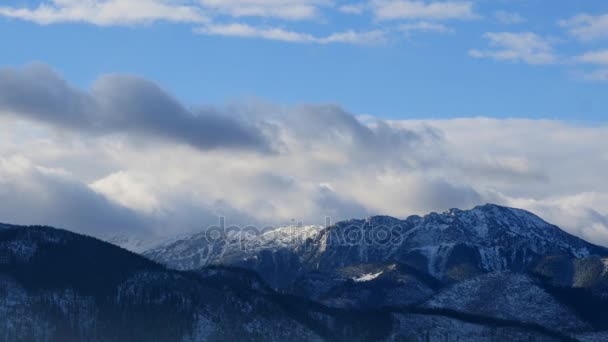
(428, 60)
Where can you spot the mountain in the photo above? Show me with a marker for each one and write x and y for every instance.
(491, 261)
(60, 286)
(509, 296)
(132, 243)
(449, 247)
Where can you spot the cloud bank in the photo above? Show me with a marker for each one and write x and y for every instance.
(124, 156)
(121, 104)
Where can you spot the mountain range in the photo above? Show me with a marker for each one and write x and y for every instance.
(490, 274)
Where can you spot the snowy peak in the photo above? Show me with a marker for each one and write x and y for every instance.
(449, 246)
(134, 244)
(453, 245)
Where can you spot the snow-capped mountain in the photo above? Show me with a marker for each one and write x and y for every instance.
(503, 263)
(133, 243)
(490, 274)
(451, 246)
(59, 286)
(274, 253)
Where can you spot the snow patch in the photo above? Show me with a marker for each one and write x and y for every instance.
(367, 277)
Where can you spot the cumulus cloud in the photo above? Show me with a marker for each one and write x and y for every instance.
(37, 195)
(356, 8)
(327, 162)
(424, 26)
(121, 104)
(587, 27)
(284, 9)
(599, 58)
(594, 57)
(437, 10)
(106, 12)
(280, 34)
(207, 16)
(526, 47)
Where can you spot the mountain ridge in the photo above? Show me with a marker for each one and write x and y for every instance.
(92, 290)
(485, 238)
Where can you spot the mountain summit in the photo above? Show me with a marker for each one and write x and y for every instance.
(450, 246)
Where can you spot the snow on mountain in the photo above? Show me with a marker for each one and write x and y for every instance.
(509, 296)
(455, 245)
(452, 245)
(367, 277)
(366, 286)
(488, 274)
(290, 237)
(202, 249)
(133, 243)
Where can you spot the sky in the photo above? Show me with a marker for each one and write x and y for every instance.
(154, 117)
(388, 58)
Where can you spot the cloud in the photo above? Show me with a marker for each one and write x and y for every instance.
(509, 18)
(43, 196)
(600, 58)
(576, 212)
(106, 12)
(283, 9)
(206, 15)
(594, 57)
(404, 9)
(328, 162)
(357, 8)
(526, 47)
(587, 27)
(280, 34)
(121, 104)
(424, 26)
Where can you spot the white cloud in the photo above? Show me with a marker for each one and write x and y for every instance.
(594, 57)
(283, 9)
(505, 17)
(357, 8)
(211, 17)
(437, 10)
(424, 26)
(524, 47)
(106, 12)
(205, 14)
(587, 27)
(280, 34)
(329, 163)
(599, 58)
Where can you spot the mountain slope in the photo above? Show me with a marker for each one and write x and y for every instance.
(497, 262)
(56, 285)
(451, 246)
(60, 286)
(509, 296)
